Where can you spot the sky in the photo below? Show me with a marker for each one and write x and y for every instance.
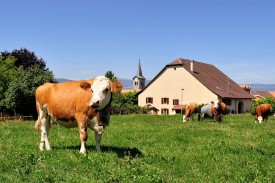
(81, 39)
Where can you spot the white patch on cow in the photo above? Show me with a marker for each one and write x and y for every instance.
(101, 92)
(216, 105)
(183, 118)
(99, 129)
(260, 119)
(44, 142)
(93, 124)
(83, 149)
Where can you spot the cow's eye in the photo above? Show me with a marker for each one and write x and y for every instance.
(106, 90)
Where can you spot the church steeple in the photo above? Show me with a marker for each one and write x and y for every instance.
(138, 80)
(139, 71)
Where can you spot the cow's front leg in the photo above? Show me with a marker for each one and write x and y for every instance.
(83, 138)
(45, 126)
(97, 141)
(82, 125)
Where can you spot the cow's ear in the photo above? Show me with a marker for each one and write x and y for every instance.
(85, 85)
(116, 86)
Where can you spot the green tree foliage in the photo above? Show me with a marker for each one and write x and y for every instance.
(110, 75)
(25, 58)
(8, 71)
(21, 72)
(126, 104)
(267, 100)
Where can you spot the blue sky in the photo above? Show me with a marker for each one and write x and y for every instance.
(81, 39)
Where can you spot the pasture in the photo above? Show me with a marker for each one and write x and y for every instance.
(144, 148)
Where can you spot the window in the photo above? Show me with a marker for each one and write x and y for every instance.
(164, 111)
(149, 100)
(164, 100)
(175, 101)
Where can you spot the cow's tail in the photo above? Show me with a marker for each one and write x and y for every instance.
(37, 125)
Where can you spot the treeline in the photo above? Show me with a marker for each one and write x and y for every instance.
(21, 72)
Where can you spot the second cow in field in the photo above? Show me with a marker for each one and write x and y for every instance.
(79, 104)
(190, 111)
(262, 112)
(215, 110)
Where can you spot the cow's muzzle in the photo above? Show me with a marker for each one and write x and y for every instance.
(94, 104)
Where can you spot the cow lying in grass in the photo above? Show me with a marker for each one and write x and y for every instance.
(262, 112)
(79, 104)
(215, 110)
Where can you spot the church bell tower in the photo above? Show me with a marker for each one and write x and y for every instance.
(138, 80)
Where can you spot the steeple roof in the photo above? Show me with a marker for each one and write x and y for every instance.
(139, 71)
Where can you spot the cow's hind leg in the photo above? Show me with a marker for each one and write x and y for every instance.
(44, 121)
(45, 126)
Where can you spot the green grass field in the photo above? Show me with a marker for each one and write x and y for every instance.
(144, 148)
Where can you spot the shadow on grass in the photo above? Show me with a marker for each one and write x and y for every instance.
(121, 152)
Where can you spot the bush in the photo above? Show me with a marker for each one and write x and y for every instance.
(126, 104)
(267, 100)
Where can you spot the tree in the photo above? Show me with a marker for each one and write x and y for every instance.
(20, 95)
(21, 72)
(131, 98)
(110, 75)
(25, 58)
(8, 71)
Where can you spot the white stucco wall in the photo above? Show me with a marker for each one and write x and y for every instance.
(169, 85)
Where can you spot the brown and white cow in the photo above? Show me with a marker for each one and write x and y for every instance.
(190, 111)
(79, 104)
(262, 112)
(215, 110)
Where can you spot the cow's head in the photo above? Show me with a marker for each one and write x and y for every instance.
(216, 104)
(101, 92)
(101, 89)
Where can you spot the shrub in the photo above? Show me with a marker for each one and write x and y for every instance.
(267, 100)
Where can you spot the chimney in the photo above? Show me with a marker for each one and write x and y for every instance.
(192, 66)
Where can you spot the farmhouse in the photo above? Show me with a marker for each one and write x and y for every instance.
(183, 81)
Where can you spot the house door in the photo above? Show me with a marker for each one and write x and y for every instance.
(240, 107)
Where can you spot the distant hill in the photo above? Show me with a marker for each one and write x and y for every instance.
(61, 80)
(262, 87)
(128, 83)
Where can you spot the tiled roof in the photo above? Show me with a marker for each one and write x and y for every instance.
(263, 94)
(213, 79)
